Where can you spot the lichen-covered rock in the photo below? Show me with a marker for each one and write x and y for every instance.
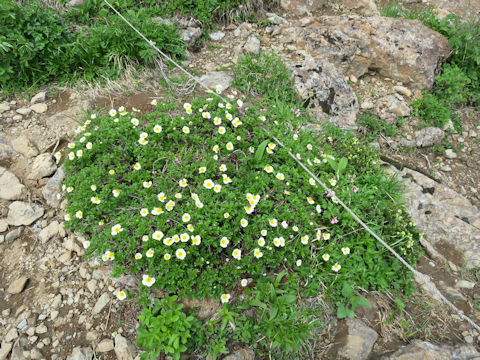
(327, 92)
(301, 7)
(10, 186)
(43, 166)
(356, 340)
(22, 213)
(423, 350)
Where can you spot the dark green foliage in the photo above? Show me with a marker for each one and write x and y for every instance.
(375, 126)
(36, 46)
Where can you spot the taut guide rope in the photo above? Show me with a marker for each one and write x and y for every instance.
(424, 278)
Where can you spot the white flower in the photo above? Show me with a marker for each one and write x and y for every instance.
(236, 122)
(135, 122)
(157, 235)
(299, 262)
(157, 129)
(144, 212)
(237, 254)
(167, 257)
(112, 112)
(157, 211)
(304, 239)
(261, 241)
(116, 192)
(309, 146)
(67, 217)
(183, 183)
(226, 179)
(217, 188)
(142, 141)
(333, 182)
(186, 217)
(221, 130)
(216, 148)
(95, 200)
(345, 250)
(149, 253)
(187, 106)
(202, 170)
(217, 121)
(326, 236)
(184, 237)
(168, 241)
(336, 267)
(58, 156)
(325, 257)
(121, 295)
(180, 254)
(206, 115)
(264, 232)
(86, 244)
(273, 222)
(145, 238)
(154, 102)
(311, 181)
(137, 166)
(224, 242)
(71, 155)
(148, 280)
(116, 229)
(89, 145)
(239, 103)
(257, 253)
(280, 176)
(161, 197)
(229, 146)
(226, 215)
(310, 200)
(284, 224)
(225, 298)
(79, 214)
(244, 222)
(318, 209)
(244, 282)
(196, 240)
(143, 135)
(147, 184)
(268, 169)
(208, 184)
(138, 256)
(186, 130)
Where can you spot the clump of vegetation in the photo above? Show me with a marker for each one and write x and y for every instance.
(37, 46)
(459, 82)
(374, 126)
(201, 201)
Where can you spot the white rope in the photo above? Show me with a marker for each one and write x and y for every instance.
(424, 278)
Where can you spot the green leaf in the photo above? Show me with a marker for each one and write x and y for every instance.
(359, 301)
(347, 290)
(260, 151)
(342, 312)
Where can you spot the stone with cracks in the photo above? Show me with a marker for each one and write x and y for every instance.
(101, 303)
(403, 50)
(423, 350)
(39, 108)
(355, 340)
(39, 98)
(43, 166)
(22, 213)
(252, 45)
(52, 190)
(24, 146)
(301, 7)
(79, 353)
(5, 350)
(123, 348)
(327, 92)
(445, 217)
(48, 232)
(214, 78)
(362, 7)
(10, 186)
(105, 345)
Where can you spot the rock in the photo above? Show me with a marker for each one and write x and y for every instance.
(16, 287)
(275, 19)
(402, 90)
(123, 348)
(190, 35)
(39, 98)
(252, 45)
(79, 353)
(12, 334)
(395, 106)
(429, 136)
(105, 345)
(356, 340)
(49, 232)
(101, 303)
(243, 30)
(217, 35)
(242, 354)
(41, 329)
(445, 217)
(222, 78)
(14, 234)
(71, 245)
(39, 108)
(6, 150)
(43, 166)
(301, 7)
(17, 117)
(22, 213)
(326, 92)
(366, 105)
(63, 124)
(403, 50)
(449, 153)
(17, 352)
(24, 146)
(207, 307)
(362, 7)
(423, 350)
(35, 354)
(464, 284)
(52, 190)
(3, 225)
(4, 107)
(467, 9)
(10, 186)
(2, 239)
(5, 349)
(75, 3)
(24, 111)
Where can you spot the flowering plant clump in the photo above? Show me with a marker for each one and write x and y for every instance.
(196, 200)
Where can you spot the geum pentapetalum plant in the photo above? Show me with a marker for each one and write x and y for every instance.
(197, 199)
